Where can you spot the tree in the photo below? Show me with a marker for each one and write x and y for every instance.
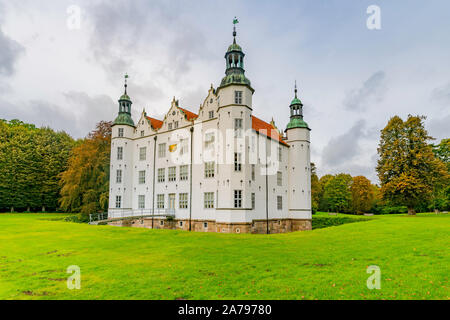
(316, 189)
(362, 194)
(337, 193)
(407, 167)
(323, 205)
(85, 183)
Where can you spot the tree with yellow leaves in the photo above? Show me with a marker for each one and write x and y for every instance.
(362, 194)
(407, 168)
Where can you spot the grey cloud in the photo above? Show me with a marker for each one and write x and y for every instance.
(372, 90)
(439, 128)
(441, 95)
(124, 30)
(78, 117)
(9, 53)
(344, 147)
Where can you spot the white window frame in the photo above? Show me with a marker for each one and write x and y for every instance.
(184, 146)
(160, 201)
(120, 133)
(280, 152)
(211, 114)
(119, 176)
(184, 172)
(143, 153)
(161, 174)
(238, 198)
(209, 140)
(238, 126)
(183, 200)
(169, 126)
(118, 202)
(161, 150)
(253, 172)
(172, 174)
(238, 97)
(141, 176)
(119, 153)
(141, 201)
(279, 202)
(253, 201)
(210, 169)
(279, 178)
(208, 200)
(237, 162)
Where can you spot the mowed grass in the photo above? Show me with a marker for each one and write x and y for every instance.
(134, 263)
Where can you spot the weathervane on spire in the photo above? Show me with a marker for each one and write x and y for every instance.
(235, 21)
(126, 77)
(295, 88)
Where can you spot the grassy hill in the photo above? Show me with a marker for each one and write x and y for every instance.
(133, 263)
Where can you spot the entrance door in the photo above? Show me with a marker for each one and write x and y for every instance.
(172, 201)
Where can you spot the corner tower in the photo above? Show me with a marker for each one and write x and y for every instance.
(121, 173)
(298, 137)
(234, 113)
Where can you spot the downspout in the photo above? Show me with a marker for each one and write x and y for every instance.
(154, 168)
(190, 179)
(267, 194)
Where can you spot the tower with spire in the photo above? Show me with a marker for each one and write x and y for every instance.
(123, 130)
(298, 137)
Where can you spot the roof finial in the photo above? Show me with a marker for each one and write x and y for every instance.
(296, 88)
(235, 21)
(126, 77)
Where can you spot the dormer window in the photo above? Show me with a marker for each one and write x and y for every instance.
(170, 126)
(176, 124)
(211, 114)
(142, 133)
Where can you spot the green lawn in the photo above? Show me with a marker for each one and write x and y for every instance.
(133, 263)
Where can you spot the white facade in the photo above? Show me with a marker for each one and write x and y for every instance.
(211, 166)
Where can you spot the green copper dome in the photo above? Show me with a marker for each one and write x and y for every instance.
(124, 118)
(297, 123)
(296, 101)
(235, 78)
(125, 97)
(234, 47)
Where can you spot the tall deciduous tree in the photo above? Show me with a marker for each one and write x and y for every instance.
(337, 194)
(316, 188)
(408, 170)
(85, 183)
(362, 194)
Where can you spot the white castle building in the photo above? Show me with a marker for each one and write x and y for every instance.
(221, 170)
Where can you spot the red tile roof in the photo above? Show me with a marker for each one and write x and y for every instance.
(189, 115)
(258, 125)
(155, 123)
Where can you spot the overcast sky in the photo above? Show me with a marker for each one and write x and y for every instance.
(351, 79)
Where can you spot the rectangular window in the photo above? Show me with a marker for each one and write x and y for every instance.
(253, 200)
(211, 114)
(161, 150)
(160, 201)
(238, 128)
(161, 174)
(209, 140)
(238, 97)
(208, 200)
(279, 179)
(142, 133)
(238, 198)
(118, 201)
(141, 201)
(253, 172)
(119, 153)
(142, 177)
(183, 200)
(237, 161)
(184, 172)
(205, 225)
(172, 174)
(120, 132)
(119, 176)
(143, 153)
(181, 223)
(279, 154)
(209, 169)
(279, 202)
(170, 126)
(184, 146)
(176, 124)
(171, 204)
